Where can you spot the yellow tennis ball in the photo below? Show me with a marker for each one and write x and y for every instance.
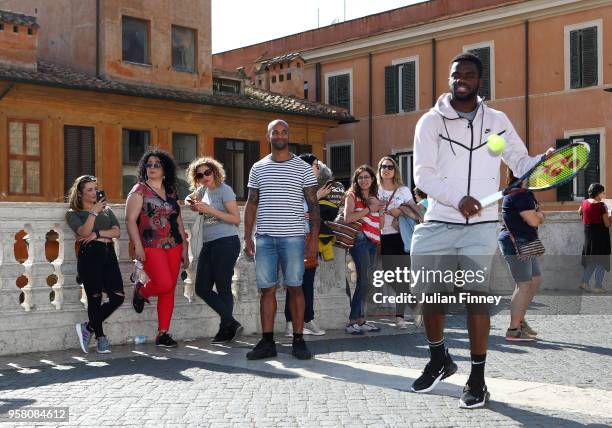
(496, 144)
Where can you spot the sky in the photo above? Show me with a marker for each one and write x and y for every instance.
(237, 23)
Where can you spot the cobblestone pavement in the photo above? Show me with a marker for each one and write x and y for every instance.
(561, 380)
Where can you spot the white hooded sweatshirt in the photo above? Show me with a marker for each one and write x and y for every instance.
(451, 159)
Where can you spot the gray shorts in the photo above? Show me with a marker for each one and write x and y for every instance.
(448, 257)
(521, 270)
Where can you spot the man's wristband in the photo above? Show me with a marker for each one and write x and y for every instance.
(93, 213)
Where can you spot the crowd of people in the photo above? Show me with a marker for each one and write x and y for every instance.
(439, 225)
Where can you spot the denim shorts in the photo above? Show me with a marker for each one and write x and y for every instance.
(271, 251)
(521, 270)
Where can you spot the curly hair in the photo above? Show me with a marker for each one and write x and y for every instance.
(213, 164)
(168, 167)
(356, 188)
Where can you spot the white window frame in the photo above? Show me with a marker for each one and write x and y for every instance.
(328, 147)
(414, 59)
(410, 154)
(566, 52)
(329, 74)
(602, 153)
(491, 45)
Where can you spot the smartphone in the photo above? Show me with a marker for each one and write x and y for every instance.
(100, 195)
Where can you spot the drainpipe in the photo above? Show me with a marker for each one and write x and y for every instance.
(98, 38)
(370, 144)
(433, 72)
(318, 82)
(6, 89)
(527, 84)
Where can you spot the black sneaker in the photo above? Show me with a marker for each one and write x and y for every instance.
(264, 349)
(431, 376)
(235, 330)
(138, 301)
(222, 336)
(473, 398)
(300, 351)
(166, 341)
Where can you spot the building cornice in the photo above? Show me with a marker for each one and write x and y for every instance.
(468, 23)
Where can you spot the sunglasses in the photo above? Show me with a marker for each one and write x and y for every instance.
(207, 173)
(155, 165)
(387, 167)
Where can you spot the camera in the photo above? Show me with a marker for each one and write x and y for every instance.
(100, 195)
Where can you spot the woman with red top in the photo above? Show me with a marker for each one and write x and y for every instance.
(156, 229)
(596, 250)
(362, 205)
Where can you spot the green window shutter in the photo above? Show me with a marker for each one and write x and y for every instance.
(575, 68)
(391, 89)
(343, 87)
(564, 192)
(79, 153)
(484, 54)
(408, 87)
(591, 172)
(332, 87)
(589, 56)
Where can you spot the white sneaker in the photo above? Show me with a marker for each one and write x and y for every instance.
(401, 323)
(367, 326)
(289, 330)
(312, 328)
(584, 286)
(354, 329)
(598, 290)
(417, 319)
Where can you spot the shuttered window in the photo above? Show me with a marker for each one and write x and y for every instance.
(484, 54)
(135, 143)
(237, 157)
(79, 153)
(24, 166)
(400, 87)
(583, 58)
(184, 150)
(577, 188)
(339, 91)
(340, 161)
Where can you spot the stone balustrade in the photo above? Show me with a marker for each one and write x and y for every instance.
(40, 299)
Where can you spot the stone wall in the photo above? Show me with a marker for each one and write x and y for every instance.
(40, 300)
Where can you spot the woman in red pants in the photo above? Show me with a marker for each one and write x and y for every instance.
(156, 229)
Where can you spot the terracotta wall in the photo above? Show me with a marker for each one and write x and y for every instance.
(67, 33)
(18, 49)
(109, 114)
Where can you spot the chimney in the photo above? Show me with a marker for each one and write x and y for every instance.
(18, 40)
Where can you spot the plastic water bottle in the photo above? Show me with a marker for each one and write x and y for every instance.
(139, 340)
(138, 267)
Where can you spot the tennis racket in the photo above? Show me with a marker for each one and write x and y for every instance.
(551, 171)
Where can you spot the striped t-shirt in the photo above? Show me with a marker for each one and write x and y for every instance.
(370, 222)
(281, 186)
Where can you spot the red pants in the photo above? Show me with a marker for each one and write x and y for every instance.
(162, 267)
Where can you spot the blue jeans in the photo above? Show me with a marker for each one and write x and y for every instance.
(364, 256)
(270, 251)
(599, 274)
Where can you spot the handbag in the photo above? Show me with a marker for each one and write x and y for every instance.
(313, 262)
(197, 236)
(344, 233)
(529, 250)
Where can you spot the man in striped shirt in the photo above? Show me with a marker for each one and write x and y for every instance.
(278, 185)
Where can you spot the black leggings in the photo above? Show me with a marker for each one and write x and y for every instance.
(99, 270)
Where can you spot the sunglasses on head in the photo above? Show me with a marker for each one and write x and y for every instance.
(207, 173)
(388, 167)
(155, 165)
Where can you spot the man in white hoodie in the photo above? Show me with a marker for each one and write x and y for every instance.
(453, 165)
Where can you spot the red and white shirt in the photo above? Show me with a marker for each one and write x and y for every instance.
(370, 223)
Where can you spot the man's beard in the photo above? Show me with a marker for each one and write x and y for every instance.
(279, 145)
(467, 97)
